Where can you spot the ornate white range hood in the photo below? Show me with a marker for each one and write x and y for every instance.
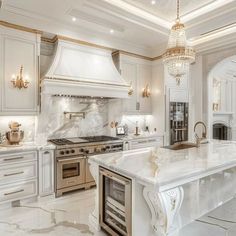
(79, 70)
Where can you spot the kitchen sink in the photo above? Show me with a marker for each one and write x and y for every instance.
(181, 146)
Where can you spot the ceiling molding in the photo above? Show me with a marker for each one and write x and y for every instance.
(125, 14)
(205, 9)
(20, 27)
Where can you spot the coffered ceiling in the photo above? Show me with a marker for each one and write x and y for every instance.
(166, 9)
(136, 25)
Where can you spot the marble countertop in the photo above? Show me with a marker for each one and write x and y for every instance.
(26, 146)
(166, 169)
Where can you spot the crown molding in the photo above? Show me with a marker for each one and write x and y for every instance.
(20, 27)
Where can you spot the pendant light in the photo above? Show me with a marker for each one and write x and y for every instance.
(178, 55)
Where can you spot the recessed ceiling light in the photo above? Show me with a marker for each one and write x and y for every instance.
(74, 19)
(111, 31)
(153, 2)
(234, 61)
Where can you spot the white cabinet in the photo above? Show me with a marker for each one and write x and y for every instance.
(19, 48)
(129, 73)
(18, 176)
(138, 73)
(46, 172)
(144, 79)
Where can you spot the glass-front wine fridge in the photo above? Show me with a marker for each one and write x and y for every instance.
(178, 122)
(115, 204)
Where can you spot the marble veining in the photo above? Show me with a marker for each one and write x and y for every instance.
(67, 215)
(54, 124)
(219, 222)
(175, 167)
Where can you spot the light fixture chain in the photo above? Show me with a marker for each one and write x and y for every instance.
(178, 10)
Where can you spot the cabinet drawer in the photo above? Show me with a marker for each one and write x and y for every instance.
(144, 143)
(18, 172)
(18, 191)
(17, 158)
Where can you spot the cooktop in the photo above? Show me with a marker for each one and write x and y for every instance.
(77, 140)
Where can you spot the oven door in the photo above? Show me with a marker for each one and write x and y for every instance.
(70, 171)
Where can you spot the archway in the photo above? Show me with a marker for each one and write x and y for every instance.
(222, 96)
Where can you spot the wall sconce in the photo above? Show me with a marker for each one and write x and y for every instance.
(19, 82)
(146, 91)
(131, 90)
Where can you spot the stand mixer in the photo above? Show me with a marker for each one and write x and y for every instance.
(15, 135)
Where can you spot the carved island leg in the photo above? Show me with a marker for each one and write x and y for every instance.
(94, 216)
(164, 206)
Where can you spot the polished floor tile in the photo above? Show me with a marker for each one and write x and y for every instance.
(67, 215)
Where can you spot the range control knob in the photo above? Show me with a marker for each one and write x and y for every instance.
(62, 152)
(82, 150)
(67, 152)
(86, 151)
(72, 151)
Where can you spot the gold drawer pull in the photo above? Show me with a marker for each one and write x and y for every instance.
(12, 159)
(19, 191)
(16, 173)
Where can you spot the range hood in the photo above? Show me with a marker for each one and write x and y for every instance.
(80, 70)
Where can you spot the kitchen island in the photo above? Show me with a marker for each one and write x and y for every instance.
(171, 188)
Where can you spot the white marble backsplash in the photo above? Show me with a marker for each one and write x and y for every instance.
(54, 124)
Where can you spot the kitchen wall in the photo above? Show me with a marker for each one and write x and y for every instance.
(52, 123)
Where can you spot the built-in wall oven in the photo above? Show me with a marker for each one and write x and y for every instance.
(115, 204)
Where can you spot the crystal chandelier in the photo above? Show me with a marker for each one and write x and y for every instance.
(178, 55)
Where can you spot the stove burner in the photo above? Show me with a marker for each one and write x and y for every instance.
(89, 139)
(61, 141)
(101, 138)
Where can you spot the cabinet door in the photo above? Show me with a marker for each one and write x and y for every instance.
(129, 73)
(16, 52)
(46, 172)
(144, 79)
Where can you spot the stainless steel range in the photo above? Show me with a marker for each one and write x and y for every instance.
(71, 162)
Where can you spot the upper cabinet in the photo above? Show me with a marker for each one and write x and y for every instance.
(19, 49)
(138, 73)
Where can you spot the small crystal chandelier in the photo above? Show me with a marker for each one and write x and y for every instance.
(178, 55)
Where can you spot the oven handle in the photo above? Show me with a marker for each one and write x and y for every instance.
(71, 159)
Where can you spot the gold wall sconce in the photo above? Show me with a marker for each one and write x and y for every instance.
(131, 90)
(146, 91)
(18, 81)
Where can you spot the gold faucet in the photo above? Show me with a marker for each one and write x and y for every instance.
(204, 134)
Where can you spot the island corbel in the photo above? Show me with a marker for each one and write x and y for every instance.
(164, 207)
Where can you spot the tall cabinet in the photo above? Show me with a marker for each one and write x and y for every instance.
(138, 73)
(19, 48)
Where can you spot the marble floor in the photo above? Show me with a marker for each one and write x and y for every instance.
(219, 222)
(68, 215)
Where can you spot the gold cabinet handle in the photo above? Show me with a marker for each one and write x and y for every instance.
(16, 173)
(12, 159)
(18, 191)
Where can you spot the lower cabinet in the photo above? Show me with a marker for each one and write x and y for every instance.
(46, 172)
(18, 176)
(155, 141)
